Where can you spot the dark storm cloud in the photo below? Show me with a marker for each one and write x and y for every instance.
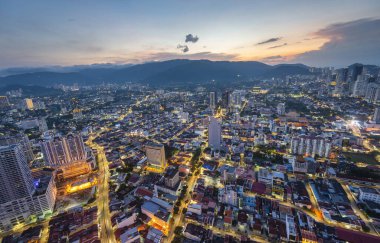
(278, 46)
(269, 41)
(349, 42)
(183, 48)
(191, 38)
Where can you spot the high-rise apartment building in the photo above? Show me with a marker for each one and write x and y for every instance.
(214, 133)
(373, 93)
(212, 100)
(21, 195)
(64, 150)
(310, 146)
(15, 178)
(226, 99)
(20, 139)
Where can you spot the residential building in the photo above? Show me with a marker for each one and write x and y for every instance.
(21, 139)
(214, 133)
(369, 194)
(63, 150)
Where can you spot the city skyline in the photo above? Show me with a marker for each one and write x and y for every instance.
(326, 33)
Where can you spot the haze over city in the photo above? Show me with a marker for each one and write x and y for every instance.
(201, 121)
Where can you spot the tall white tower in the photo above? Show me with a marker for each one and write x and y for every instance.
(214, 133)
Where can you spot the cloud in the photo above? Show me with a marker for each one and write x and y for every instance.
(161, 56)
(278, 46)
(191, 38)
(273, 59)
(349, 42)
(183, 48)
(269, 41)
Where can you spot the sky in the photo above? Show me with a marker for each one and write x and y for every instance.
(72, 32)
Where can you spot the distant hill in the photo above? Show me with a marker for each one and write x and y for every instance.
(156, 73)
(31, 90)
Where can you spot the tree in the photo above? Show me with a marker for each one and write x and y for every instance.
(178, 230)
(175, 210)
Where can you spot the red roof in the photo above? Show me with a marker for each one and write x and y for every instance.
(355, 236)
(259, 188)
(143, 192)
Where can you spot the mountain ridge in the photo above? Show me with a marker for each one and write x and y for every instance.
(175, 71)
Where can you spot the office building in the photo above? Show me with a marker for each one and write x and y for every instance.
(64, 150)
(22, 140)
(212, 100)
(214, 133)
(155, 154)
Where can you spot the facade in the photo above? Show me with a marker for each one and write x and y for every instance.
(21, 139)
(278, 184)
(304, 165)
(226, 99)
(171, 177)
(212, 100)
(228, 195)
(22, 196)
(64, 150)
(214, 133)
(310, 145)
(15, 178)
(39, 204)
(369, 194)
(373, 93)
(376, 116)
(155, 154)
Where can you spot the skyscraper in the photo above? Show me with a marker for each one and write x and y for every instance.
(376, 116)
(15, 178)
(21, 139)
(214, 133)
(64, 150)
(226, 99)
(155, 154)
(29, 104)
(21, 195)
(212, 100)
